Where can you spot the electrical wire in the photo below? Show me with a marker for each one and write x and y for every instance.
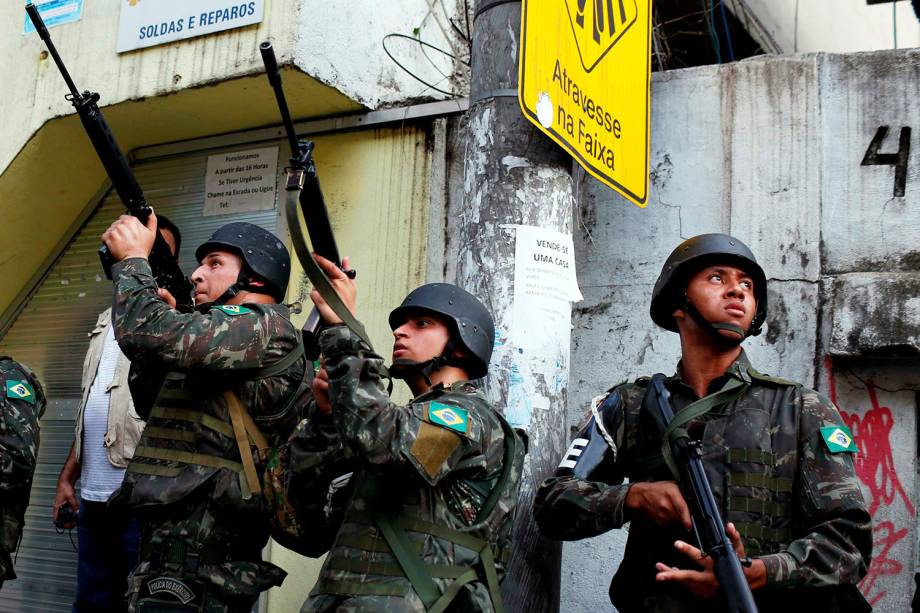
(466, 36)
(728, 34)
(422, 44)
(713, 35)
(894, 22)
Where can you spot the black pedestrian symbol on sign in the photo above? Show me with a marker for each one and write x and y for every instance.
(598, 25)
(598, 21)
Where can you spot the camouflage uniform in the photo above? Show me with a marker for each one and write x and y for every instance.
(307, 484)
(797, 506)
(22, 404)
(427, 470)
(203, 529)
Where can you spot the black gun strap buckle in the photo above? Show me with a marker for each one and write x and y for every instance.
(296, 178)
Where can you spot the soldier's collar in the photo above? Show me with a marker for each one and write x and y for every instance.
(738, 369)
(439, 389)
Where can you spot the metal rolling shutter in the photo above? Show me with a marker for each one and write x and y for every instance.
(50, 335)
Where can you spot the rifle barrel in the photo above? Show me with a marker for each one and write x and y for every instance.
(274, 79)
(42, 31)
(707, 521)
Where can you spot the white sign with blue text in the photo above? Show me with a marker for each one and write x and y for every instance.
(55, 13)
(145, 23)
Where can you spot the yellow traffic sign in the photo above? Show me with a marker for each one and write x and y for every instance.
(584, 81)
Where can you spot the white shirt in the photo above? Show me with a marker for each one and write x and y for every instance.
(98, 478)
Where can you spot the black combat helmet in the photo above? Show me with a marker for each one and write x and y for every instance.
(471, 322)
(692, 255)
(262, 252)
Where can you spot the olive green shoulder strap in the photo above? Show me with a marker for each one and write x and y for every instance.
(777, 380)
(512, 447)
(276, 368)
(732, 389)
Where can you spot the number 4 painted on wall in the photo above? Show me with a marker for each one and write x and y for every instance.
(898, 160)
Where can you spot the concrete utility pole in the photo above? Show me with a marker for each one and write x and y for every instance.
(513, 175)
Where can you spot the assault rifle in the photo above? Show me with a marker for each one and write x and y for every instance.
(165, 268)
(707, 521)
(303, 187)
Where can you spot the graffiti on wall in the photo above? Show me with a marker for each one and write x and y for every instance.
(875, 468)
(898, 159)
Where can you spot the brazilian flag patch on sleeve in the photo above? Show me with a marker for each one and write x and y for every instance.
(839, 439)
(451, 417)
(233, 309)
(20, 390)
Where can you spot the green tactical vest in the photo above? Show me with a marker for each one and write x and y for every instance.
(372, 528)
(190, 436)
(750, 453)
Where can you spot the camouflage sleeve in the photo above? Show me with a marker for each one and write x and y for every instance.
(580, 502)
(150, 332)
(834, 544)
(380, 432)
(21, 406)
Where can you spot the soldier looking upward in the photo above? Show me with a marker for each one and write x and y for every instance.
(428, 527)
(232, 372)
(777, 454)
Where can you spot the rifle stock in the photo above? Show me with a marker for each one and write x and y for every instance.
(165, 268)
(707, 521)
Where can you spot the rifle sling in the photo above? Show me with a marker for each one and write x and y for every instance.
(276, 368)
(732, 389)
(311, 268)
(244, 429)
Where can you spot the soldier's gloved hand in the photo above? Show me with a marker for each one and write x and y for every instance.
(704, 583)
(344, 286)
(321, 391)
(127, 237)
(659, 501)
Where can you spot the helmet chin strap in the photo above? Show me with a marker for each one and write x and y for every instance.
(713, 328)
(406, 369)
(242, 283)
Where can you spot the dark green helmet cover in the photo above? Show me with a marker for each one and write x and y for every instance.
(471, 322)
(687, 259)
(263, 253)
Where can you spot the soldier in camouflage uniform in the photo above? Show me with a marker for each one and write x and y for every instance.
(22, 404)
(777, 454)
(429, 525)
(227, 378)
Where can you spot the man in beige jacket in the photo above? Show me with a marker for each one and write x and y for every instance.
(107, 430)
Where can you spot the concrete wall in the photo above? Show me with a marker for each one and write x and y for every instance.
(838, 26)
(771, 151)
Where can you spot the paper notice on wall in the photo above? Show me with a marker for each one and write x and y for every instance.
(545, 284)
(241, 181)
